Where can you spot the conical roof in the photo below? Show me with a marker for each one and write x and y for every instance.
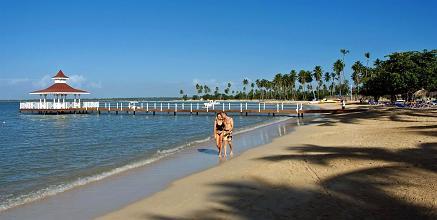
(60, 74)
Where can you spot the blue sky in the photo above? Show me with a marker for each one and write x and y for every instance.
(156, 48)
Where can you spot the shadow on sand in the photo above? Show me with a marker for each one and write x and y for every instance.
(359, 194)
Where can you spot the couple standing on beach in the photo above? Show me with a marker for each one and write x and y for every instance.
(223, 126)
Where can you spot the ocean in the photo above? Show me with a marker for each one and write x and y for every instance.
(44, 155)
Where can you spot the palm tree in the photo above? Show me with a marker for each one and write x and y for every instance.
(333, 75)
(277, 81)
(344, 52)
(258, 83)
(327, 77)
(227, 91)
(216, 92)
(318, 77)
(357, 68)
(252, 85)
(292, 77)
(367, 55)
(206, 89)
(245, 83)
(338, 68)
(285, 85)
(309, 80)
(268, 86)
(199, 89)
(302, 80)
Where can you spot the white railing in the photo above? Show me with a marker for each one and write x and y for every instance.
(159, 106)
(56, 105)
(166, 106)
(90, 105)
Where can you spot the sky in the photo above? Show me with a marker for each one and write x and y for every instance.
(155, 48)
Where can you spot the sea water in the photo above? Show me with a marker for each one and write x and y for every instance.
(43, 155)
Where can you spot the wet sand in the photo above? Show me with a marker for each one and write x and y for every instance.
(378, 164)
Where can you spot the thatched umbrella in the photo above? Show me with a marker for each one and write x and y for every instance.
(420, 93)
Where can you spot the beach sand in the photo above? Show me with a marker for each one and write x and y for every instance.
(378, 164)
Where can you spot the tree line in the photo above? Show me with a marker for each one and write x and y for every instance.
(400, 73)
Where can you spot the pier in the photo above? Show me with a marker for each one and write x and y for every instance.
(53, 100)
(174, 108)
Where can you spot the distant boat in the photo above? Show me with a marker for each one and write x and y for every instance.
(210, 104)
(132, 105)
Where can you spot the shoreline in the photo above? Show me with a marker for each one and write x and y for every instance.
(40, 205)
(379, 167)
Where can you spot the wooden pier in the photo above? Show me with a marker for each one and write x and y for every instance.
(278, 109)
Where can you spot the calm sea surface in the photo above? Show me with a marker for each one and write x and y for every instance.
(43, 155)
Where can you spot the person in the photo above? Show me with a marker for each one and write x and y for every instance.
(227, 136)
(343, 104)
(219, 127)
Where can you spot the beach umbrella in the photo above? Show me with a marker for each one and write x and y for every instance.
(420, 93)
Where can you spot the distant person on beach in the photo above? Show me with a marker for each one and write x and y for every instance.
(343, 104)
(227, 136)
(219, 127)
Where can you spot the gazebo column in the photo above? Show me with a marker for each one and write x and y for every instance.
(54, 101)
(45, 103)
(79, 99)
(59, 101)
(40, 102)
(74, 102)
(63, 100)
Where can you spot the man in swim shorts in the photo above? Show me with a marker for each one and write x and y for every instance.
(227, 136)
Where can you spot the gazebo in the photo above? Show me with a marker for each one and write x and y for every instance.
(59, 91)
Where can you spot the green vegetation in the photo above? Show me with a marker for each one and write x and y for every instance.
(401, 73)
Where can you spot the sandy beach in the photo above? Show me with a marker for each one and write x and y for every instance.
(378, 164)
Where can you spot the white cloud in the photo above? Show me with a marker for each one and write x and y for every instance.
(45, 81)
(77, 80)
(95, 85)
(222, 84)
(203, 82)
(14, 81)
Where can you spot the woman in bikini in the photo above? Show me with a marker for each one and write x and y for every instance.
(219, 127)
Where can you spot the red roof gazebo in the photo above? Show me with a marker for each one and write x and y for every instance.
(59, 90)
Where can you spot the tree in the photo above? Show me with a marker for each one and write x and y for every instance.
(318, 77)
(252, 85)
(277, 83)
(199, 89)
(302, 80)
(344, 52)
(206, 89)
(333, 75)
(327, 77)
(227, 91)
(258, 83)
(367, 55)
(285, 84)
(357, 74)
(338, 69)
(402, 74)
(216, 92)
(245, 83)
(292, 77)
(309, 80)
